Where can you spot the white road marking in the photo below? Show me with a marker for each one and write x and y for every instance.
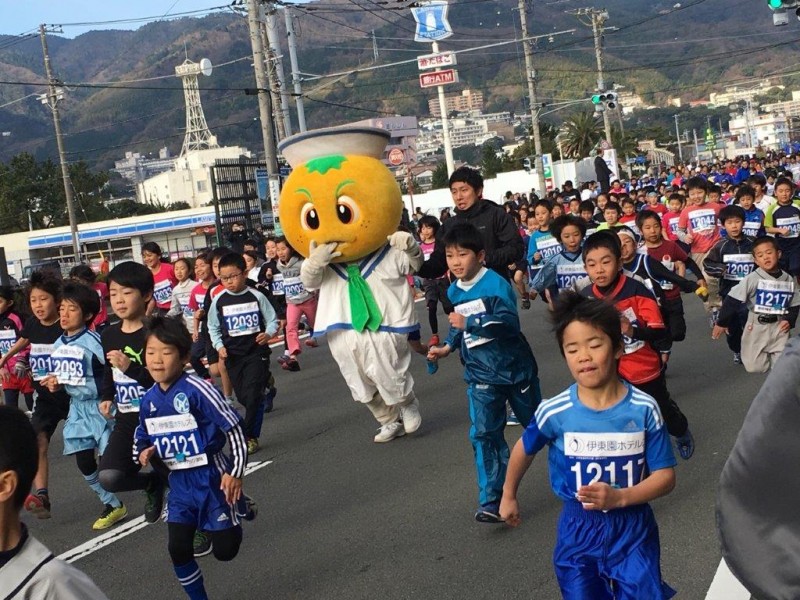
(122, 531)
(725, 586)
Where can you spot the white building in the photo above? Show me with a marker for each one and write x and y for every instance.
(736, 94)
(137, 168)
(770, 131)
(189, 180)
(791, 108)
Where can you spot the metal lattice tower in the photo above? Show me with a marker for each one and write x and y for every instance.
(198, 137)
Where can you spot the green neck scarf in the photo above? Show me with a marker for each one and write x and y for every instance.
(364, 310)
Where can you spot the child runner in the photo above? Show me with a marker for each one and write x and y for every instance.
(674, 258)
(85, 274)
(698, 228)
(782, 220)
(565, 269)
(215, 366)
(730, 261)
(124, 382)
(163, 279)
(182, 292)
(611, 213)
(77, 367)
(541, 244)
(671, 219)
(186, 423)
(241, 322)
(586, 211)
(772, 301)
(641, 324)
(628, 217)
(299, 302)
(608, 456)
(652, 203)
(499, 366)
(16, 373)
(39, 334)
(205, 277)
(435, 289)
(753, 217)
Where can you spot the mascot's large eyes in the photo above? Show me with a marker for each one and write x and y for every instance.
(309, 218)
(346, 209)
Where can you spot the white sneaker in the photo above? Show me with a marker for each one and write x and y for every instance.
(410, 416)
(389, 431)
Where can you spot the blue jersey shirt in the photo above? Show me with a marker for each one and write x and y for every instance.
(493, 349)
(77, 362)
(618, 446)
(563, 270)
(545, 244)
(753, 222)
(188, 423)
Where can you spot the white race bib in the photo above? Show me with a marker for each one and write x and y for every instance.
(277, 284)
(790, 223)
(738, 266)
(67, 365)
(468, 309)
(567, 275)
(40, 360)
(162, 292)
(773, 297)
(177, 441)
(128, 392)
(630, 344)
(242, 319)
(7, 339)
(615, 458)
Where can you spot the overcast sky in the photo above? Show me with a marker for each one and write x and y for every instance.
(20, 16)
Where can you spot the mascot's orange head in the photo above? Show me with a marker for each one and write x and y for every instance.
(339, 191)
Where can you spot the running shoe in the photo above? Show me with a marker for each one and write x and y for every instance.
(526, 304)
(38, 505)
(489, 513)
(737, 358)
(389, 431)
(201, 544)
(247, 508)
(434, 341)
(311, 343)
(252, 446)
(154, 500)
(685, 445)
(511, 418)
(410, 416)
(712, 317)
(110, 516)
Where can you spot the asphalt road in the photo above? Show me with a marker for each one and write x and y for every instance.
(344, 518)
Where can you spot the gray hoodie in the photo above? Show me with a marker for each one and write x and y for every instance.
(293, 287)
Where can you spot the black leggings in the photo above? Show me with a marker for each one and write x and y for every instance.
(87, 464)
(181, 536)
(11, 398)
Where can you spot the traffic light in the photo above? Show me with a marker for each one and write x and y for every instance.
(775, 4)
(599, 101)
(611, 100)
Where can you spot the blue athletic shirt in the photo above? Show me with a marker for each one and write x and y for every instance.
(189, 424)
(492, 346)
(618, 446)
(563, 270)
(544, 243)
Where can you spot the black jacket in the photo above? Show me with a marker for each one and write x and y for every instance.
(603, 173)
(501, 239)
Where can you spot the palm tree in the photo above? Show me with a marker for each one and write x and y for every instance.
(582, 132)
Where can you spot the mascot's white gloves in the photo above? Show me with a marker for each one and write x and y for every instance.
(403, 241)
(313, 268)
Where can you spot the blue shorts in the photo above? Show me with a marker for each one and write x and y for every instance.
(195, 499)
(609, 556)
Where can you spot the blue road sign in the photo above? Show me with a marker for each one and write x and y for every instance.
(432, 24)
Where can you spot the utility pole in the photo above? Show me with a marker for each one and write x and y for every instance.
(678, 137)
(54, 94)
(375, 55)
(298, 89)
(264, 108)
(527, 46)
(271, 59)
(597, 19)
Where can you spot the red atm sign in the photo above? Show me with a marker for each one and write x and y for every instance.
(435, 78)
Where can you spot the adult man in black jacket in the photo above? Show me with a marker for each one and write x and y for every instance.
(602, 171)
(501, 238)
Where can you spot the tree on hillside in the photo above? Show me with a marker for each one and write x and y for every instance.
(582, 132)
(491, 164)
(439, 178)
